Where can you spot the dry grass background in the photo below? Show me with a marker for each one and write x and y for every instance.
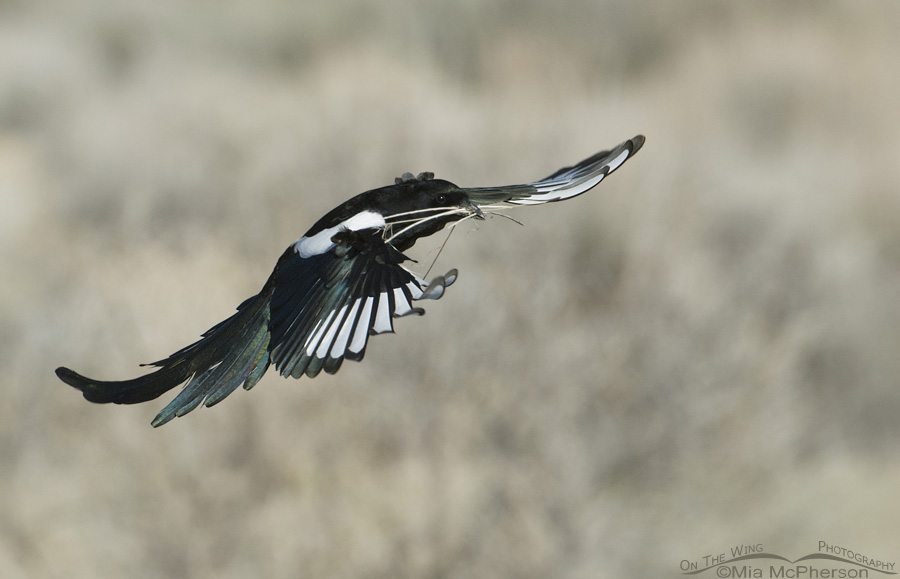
(701, 353)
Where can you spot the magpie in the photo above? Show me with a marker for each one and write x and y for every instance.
(340, 283)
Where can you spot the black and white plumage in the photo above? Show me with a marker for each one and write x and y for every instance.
(340, 283)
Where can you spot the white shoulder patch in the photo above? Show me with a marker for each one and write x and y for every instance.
(321, 241)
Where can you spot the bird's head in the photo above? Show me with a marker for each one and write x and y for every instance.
(424, 205)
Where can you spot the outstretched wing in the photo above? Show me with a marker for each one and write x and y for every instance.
(312, 313)
(563, 184)
(326, 306)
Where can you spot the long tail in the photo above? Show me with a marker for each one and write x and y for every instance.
(234, 352)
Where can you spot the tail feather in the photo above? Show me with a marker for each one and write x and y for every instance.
(255, 354)
(219, 381)
(232, 353)
(133, 391)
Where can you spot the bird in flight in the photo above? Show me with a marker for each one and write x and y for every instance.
(340, 283)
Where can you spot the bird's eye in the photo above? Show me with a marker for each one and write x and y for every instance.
(442, 199)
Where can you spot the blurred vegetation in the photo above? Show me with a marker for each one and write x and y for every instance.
(700, 353)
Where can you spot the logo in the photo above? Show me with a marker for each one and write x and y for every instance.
(829, 561)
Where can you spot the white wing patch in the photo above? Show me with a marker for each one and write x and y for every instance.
(312, 334)
(340, 344)
(361, 333)
(414, 289)
(557, 191)
(328, 339)
(346, 330)
(573, 182)
(617, 162)
(402, 306)
(317, 335)
(321, 241)
(565, 183)
(383, 316)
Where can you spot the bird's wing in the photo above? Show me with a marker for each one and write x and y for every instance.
(326, 306)
(563, 184)
(311, 314)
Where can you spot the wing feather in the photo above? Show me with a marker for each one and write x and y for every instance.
(565, 183)
(353, 291)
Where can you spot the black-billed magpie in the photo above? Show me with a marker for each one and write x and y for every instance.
(335, 286)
